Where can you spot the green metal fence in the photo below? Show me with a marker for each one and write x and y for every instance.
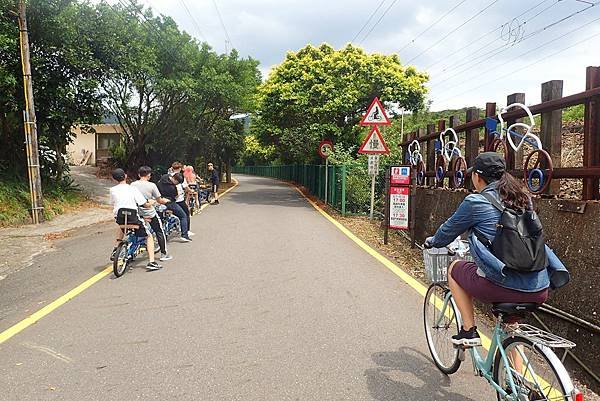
(312, 177)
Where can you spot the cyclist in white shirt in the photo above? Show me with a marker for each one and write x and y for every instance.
(124, 196)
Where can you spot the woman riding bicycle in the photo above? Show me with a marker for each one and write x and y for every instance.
(488, 279)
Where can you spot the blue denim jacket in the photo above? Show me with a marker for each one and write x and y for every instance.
(476, 212)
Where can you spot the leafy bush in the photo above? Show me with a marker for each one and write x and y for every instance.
(15, 202)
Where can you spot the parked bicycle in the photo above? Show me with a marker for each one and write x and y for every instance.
(520, 365)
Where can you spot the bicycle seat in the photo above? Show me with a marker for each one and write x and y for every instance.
(514, 308)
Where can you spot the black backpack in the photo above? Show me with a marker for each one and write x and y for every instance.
(519, 241)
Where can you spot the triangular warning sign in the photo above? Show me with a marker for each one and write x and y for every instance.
(374, 144)
(375, 114)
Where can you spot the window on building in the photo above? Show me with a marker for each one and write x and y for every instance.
(106, 141)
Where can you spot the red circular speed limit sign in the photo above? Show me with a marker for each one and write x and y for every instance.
(325, 148)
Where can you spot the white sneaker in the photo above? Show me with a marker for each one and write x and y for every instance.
(191, 234)
(165, 256)
(183, 239)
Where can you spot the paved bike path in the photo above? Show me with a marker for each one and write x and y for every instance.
(270, 302)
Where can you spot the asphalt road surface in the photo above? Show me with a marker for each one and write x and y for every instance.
(269, 302)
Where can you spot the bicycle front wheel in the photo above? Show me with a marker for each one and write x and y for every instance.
(441, 323)
(121, 259)
(535, 371)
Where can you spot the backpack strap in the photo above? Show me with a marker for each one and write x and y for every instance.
(482, 238)
(495, 202)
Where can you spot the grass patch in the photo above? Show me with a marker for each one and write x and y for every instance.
(15, 202)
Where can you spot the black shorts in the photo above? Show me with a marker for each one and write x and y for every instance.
(133, 220)
(215, 188)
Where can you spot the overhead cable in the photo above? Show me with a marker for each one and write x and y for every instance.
(194, 21)
(444, 37)
(512, 73)
(431, 26)
(368, 20)
(379, 20)
(227, 37)
(485, 35)
(502, 48)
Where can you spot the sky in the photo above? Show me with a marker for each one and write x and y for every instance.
(475, 51)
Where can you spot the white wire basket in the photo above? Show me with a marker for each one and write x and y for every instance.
(437, 261)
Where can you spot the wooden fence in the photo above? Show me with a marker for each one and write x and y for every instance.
(550, 111)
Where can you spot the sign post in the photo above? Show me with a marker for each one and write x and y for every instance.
(399, 199)
(325, 149)
(374, 146)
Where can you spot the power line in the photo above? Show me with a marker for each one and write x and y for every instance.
(454, 30)
(379, 20)
(527, 52)
(368, 20)
(431, 26)
(227, 38)
(525, 67)
(489, 33)
(194, 21)
(503, 48)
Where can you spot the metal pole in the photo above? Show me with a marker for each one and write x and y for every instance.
(402, 125)
(326, 178)
(386, 223)
(372, 195)
(30, 128)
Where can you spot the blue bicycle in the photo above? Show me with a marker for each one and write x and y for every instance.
(171, 223)
(520, 364)
(130, 246)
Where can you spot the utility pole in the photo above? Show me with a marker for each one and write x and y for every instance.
(29, 122)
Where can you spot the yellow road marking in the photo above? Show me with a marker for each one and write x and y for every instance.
(23, 324)
(408, 279)
(51, 307)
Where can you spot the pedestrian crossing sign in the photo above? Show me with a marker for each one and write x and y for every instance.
(374, 144)
(375, 114)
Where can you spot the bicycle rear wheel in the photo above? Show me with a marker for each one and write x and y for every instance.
(121, 259)
(536, 372)
(441, 323)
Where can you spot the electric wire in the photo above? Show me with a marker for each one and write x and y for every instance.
(537, 47)
(500, 49)
(431, 26)
(379, 20)
(524, 67)
(454, 30)
(193, 19)
(485, 35)
(368, 20)
(227, 37)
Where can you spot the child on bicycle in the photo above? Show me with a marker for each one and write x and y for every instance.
(125, 197)
(487, 279)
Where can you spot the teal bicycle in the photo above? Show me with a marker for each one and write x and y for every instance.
(520, 364)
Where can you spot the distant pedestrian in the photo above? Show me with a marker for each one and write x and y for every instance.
(215, 180)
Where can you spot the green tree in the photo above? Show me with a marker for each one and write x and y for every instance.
(320, 92)
(65, 74)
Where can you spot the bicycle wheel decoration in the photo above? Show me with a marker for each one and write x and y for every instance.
(538, 167)
(440, 168)
(450, 152)
(420, 172)
(538, 170)
(416, 161)
(460, 172)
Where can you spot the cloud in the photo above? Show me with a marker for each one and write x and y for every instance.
(268, 29)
